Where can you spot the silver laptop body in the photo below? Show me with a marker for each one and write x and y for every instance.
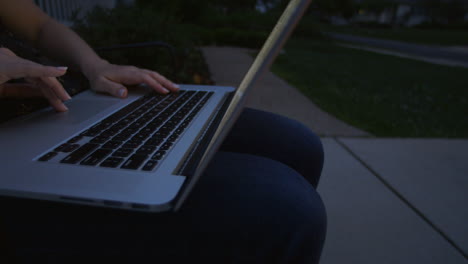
(35, 161)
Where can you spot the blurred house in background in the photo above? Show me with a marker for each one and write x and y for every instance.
(414, 12)
(64, 10)
(407, 13)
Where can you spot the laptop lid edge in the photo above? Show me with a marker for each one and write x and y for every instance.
(275, 41)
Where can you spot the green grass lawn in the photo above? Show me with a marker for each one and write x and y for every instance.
(414, 35)
(381, 94)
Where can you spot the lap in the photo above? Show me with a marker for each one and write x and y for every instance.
(252, 203)
(244, 206)
(279, 138)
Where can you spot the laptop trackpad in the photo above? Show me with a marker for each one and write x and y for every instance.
(80, 111)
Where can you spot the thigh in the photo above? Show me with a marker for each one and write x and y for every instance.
(245, 209)
(279, 138)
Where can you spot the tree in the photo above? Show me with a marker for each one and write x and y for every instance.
(345, 8)
(440, 11)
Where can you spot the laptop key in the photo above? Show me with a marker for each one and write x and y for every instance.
(146, 149)
(150, 164)
(80, 153)
(96, 157)
(122, 152)
(109, 133)
(99, 139)
(131, 145)
(48, 156)
(121, 137)
(153, 142)
(141, 135)
(136, 140)
(70, 147)
(90, 133)
(166, 146)
(129, 130)
(66, 147)
(126, 110)
(173, 138)
(159, 155)
(112, 144)
(75, 139)
(134, 162)
(184, 124)
(112, 162)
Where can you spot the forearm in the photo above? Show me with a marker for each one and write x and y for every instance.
(58, 42)
(61, 43)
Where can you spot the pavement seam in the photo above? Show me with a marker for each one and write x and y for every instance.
(438, 61)
(272, 93)
(402, 198)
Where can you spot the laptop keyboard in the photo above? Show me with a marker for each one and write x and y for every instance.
(136, 137)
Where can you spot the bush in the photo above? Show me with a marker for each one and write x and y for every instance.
(373, 25)
(236, 37)
(124, 25)
(308, 28)
(185, 24)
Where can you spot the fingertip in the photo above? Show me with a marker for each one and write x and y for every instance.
(61, 108)
(110, 87)
(175, 87)
(65, 95)
(122, 93)
(54, 71)
(64, 108)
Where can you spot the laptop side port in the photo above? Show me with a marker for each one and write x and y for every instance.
(140, 206)
(76, 199)
(112, 203)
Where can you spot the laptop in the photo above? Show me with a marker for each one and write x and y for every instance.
(143, 153)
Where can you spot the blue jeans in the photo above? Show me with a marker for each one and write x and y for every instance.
(256, 203)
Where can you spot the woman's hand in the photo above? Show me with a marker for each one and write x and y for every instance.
(111, 78)
(40, 79)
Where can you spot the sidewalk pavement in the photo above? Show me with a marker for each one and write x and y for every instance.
(448, 56)
(228, 66)
(388, 200)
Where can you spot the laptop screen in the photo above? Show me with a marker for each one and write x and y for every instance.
(275, 41)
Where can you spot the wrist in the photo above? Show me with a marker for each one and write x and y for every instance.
(91, 69)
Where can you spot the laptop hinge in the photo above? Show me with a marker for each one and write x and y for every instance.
(190, 164)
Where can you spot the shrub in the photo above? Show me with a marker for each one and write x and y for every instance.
(185, 24)
(236, 37)
(124, 25)
(308, 28)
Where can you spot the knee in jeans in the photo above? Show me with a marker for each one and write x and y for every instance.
(306, 216)
(311, 143)
(290, 206)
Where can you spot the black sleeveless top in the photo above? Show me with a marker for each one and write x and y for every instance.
(73, 82)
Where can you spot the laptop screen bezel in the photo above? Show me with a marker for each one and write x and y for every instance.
(275, 41)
